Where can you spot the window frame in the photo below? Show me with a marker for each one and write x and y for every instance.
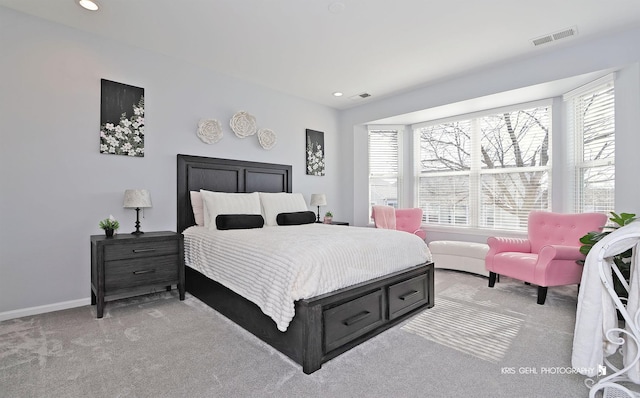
(576, 131)
(476, 172)
(399, 175)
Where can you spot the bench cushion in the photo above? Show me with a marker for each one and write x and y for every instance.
(458, 255)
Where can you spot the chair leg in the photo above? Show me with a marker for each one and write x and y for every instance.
(492, 278)
(542, 294)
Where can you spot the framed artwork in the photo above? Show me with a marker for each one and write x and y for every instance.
(121, 119)
(315, 153)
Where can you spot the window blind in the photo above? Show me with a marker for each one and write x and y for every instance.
(488, 171)
(592, 123)
(384, 168)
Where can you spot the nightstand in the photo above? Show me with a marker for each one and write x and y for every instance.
(339, 223)
(128, 264)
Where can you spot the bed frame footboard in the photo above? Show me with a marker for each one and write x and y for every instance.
(330, 324)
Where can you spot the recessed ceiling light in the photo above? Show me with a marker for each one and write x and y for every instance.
(337, 94)
(89, 5)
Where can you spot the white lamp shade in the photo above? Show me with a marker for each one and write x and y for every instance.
(318, 199)
(134, 198)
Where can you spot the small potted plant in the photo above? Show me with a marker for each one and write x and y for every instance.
(328, 217)
(109, 225)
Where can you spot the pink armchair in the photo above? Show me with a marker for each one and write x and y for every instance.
(548, 257)
(408, 220)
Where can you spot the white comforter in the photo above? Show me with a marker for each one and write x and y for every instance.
(275, 266)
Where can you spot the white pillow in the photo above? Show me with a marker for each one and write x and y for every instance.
(198, 207)
(216, 203)
(280, 202)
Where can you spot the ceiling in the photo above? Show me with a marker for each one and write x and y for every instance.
(312, 48)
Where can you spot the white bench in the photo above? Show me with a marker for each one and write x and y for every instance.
(461, 256)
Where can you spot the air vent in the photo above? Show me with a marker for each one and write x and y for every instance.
(563, 34)
(360, 96)
(542, 40)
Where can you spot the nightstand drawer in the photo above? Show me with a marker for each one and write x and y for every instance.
(129, 273)
(146, 248)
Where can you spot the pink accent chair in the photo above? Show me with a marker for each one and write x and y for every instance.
(408, 220)
(548, 257)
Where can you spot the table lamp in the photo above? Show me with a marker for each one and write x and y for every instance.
(137, 199)
(318, 199)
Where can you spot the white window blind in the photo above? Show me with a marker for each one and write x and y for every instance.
(592, 122)
(444, 172)
(384, 168)
(488, 171)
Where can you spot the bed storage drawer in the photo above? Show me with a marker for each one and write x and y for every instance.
(353, 319)
(407, 295)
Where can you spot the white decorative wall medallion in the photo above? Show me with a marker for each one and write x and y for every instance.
(267, 138)
(243, 124)
(210, 131)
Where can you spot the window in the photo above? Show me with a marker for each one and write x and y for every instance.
(487, 171)
(384, 168)
(592, 121)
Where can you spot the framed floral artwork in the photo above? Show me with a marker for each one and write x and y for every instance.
(121, 119)
(315, 153)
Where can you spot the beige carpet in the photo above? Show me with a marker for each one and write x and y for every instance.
(475, 342)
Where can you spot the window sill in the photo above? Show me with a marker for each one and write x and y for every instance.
(483, 232)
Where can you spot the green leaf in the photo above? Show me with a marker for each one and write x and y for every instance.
(622, 219)
(585, 249)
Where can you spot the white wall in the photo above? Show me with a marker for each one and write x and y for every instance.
(620, 51)
(56, 185)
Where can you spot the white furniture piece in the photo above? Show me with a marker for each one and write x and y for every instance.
(599, 332)
(460, 256)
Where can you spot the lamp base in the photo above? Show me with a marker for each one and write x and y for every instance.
(137, 231)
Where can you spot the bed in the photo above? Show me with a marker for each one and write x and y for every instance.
(323, 326)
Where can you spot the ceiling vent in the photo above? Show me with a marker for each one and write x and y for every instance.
(360, 96)
(563, 34)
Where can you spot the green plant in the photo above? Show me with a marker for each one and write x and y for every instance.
(328, 214)
(109, 223)
(621, 260)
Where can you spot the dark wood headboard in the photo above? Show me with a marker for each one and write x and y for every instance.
(225, 175)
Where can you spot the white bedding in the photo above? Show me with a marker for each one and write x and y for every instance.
(275, 266)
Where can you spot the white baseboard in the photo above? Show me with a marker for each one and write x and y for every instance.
(43, 308)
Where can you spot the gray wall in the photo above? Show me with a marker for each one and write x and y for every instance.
(56, 185)
(620, 51)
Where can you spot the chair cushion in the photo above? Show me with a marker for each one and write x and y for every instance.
(515, 265)
(408, 220)
(384, 217)
(561, 229)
